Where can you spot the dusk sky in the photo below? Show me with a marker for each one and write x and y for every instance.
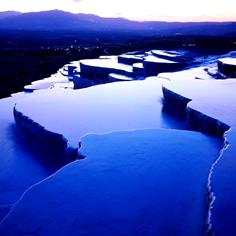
(167, 10)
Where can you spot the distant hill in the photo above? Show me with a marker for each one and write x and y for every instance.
(6, 14)
(60, 20)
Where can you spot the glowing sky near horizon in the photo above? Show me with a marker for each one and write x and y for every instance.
(168, 10)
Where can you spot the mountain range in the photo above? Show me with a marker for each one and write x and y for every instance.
(60, 20)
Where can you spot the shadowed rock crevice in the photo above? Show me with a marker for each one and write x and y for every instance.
(205, 123)
(211, 195)
(48, 139)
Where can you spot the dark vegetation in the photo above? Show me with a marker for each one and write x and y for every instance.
(26, 56)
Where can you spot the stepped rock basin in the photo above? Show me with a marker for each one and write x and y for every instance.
(101, 68)
(125, 185)
(210, 108)
(227, 66)
(139, 169)
(98, 109)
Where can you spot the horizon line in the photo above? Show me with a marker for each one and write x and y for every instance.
(125, 18)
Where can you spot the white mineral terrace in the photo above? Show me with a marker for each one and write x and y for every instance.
(48, 82)
(109, 57)
(138, 65)
(128, 56)
(190, 74)
(228, 61)
(115, 106)
(107, 63)
(140, 175)
(213, 98)
(164, 53)
(118, 77)
(158, 60)
(144, 182)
